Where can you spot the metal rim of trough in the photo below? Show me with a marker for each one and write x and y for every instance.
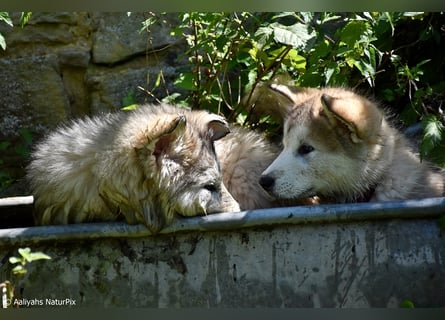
(329, 213)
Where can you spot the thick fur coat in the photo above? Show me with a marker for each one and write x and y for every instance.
(145, 166)
(340, 146)
(244, 154)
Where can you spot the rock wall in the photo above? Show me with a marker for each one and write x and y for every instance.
(66, 64)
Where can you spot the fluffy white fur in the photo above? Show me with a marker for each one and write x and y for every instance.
(144, 166)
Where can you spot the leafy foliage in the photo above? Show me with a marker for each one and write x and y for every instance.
(26, 256)
(397, 56)
(432, 143)
(4, 16)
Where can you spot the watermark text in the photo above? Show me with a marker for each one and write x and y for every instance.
(48, 302)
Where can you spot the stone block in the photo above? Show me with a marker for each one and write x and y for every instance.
(119, 37)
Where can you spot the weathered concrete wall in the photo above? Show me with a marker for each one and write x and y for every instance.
(67, 64)
(302, 263)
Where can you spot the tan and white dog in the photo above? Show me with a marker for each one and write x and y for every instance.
(244, 154)
(338, 145)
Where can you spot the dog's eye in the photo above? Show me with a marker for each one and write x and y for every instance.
(211, 187)
(305, 149)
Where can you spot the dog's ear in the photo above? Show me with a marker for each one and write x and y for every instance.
(359, 115)
(217, 127)
(160, 132)
(295, 95)
(273, 98)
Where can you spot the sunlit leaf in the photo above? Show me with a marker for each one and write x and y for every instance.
(2, 42)
(14, 260)
(19, 270)
(263, 35)
(131, 107)
(24, 18)
(351, 33)
(186, 81)
(433, 134)
(34, 256)
(293, 59)
(4, 16)
(24, 252)
(296, 35)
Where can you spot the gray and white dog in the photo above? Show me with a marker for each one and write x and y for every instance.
(145, 166)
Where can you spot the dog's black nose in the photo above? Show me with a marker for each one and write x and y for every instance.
(267, 182)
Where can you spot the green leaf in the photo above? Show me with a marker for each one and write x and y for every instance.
(297, 35)
(312, 78)
(148, 23)
(4, 16)
(34, 256)
(19, 270)
(4, 145)
(24, 18)
(26, 135)
(321, 50)
(2, 42)
(14, 260)
(352, 32)
(413, 14)
(221, 42)
(158, 79)
(331, 70)
(186, 81)
(283, 14)
(129, 99)
(131, 107)
(389, 17)
(389, 95)
(171, 98)
(263, 36)
(252, 77)
(406, 304)
(329, 16)
(24, 252)
(253, 52)
(366, 69)
(433, 133)
(293, 59)
(370, 52)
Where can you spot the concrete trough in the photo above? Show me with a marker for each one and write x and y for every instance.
(354, 255)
